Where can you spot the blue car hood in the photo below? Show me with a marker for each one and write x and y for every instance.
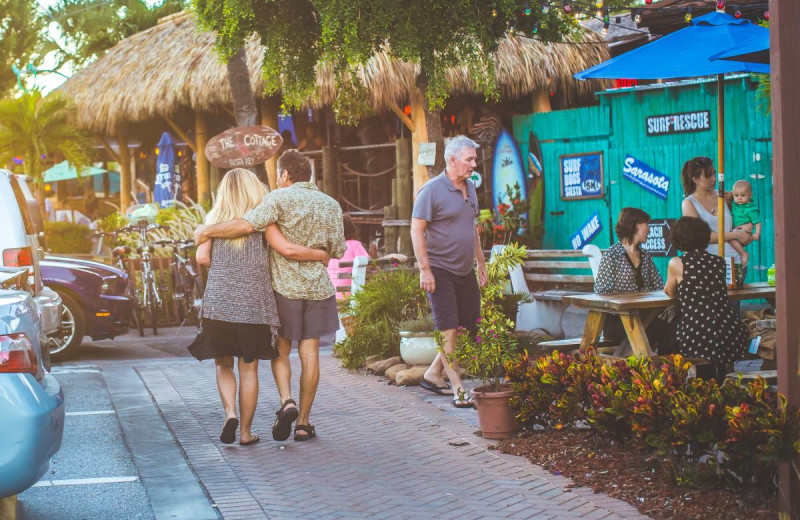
(100, 269)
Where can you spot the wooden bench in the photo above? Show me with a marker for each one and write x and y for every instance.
(574, 270)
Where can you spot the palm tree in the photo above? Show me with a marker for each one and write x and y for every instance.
(38, 130)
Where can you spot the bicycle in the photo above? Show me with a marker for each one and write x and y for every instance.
(150, 298)
(121, 253)
(187, 288)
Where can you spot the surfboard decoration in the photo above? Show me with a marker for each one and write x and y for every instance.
(535, 182)
(506, 169)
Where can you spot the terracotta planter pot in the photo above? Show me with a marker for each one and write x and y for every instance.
(495, 416)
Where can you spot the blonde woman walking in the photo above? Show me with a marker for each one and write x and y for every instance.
(239, 315)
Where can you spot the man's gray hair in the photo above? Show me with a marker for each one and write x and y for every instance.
(457, 144)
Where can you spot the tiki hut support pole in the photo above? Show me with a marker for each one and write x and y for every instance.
(541, 101)
(114, 156)
(402, 116)
(270, 106)
(427, 128)
(330, 177)
(785, 63)
(201, 137)
(124, 168)
(181, 133)
(404, 194)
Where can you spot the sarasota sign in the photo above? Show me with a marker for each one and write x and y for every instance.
(646, 176)
(243, 146)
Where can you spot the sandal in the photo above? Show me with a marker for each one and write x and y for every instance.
(283, 422)
(251, 441)
(228, 435)
(310, 432)
(462, 399)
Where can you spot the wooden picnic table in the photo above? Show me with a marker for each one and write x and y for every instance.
(637, 311)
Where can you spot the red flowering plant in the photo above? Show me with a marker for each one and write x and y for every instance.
(509, 222)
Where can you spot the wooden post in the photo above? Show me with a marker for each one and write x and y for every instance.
(201, 138)
(405, 184)
(214, 178)
(427, 128)
(8, 508)
(389, 232)
(541, 101)
(330, 177)
(124, 167)
(270, 106)
(785, 63)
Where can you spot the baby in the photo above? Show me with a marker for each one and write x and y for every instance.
(745, 215)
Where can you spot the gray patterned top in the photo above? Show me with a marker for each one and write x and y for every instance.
(239, 286)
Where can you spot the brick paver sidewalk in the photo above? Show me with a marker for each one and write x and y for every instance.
(382, 452)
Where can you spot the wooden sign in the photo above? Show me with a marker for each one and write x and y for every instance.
(243, 146)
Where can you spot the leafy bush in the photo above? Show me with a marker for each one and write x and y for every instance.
(382, 303)
(699, 430)
(67, 237)
(423, 323)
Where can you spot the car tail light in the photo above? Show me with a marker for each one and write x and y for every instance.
(17, 354)
(18, 257)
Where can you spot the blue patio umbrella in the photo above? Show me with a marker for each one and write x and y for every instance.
(755, 50)
(168, 180)
(690, 52)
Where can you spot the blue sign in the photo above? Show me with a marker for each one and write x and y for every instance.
(646, 176)
(590, 229)
(582, 176)
(168, 181)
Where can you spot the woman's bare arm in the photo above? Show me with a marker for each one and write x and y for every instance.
(203, 253)
(674, 276)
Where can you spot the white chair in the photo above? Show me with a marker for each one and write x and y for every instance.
(595, 255)
(359, 278)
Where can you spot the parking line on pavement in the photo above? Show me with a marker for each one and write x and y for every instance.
(59, 371)
(91, 412)
(85, 481)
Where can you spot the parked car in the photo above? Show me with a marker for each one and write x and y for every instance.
(20, 248)
(31, 399)
(93, 301)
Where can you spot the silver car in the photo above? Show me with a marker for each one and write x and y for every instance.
(19, 246)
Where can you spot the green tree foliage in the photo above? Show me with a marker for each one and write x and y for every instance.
(436, 34)
(89, 27)
(38, 130)
(19, 31)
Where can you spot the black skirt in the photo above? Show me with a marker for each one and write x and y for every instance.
(224, 339)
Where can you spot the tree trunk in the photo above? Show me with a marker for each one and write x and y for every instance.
(427, 129)
(244, 104)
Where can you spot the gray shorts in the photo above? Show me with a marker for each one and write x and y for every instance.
(307, 319)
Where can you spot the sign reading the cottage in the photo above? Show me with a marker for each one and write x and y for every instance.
(679, 123)
(243, 146)
(590, 229)
(646, 176)
(658, 241)
(582, 176)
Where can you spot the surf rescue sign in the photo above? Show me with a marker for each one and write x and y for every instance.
(590, 229)
(684, 122)
(646, 176)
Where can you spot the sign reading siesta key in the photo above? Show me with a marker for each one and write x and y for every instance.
(646, 176)
(243, 146)
(590, 229)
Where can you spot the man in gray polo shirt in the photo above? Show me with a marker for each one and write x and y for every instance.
(447, 245)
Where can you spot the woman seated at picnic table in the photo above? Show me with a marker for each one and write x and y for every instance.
(626, 267)
(708, 327)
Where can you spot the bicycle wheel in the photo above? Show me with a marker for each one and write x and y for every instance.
(180, 296)
(137, 317)
(153, 311)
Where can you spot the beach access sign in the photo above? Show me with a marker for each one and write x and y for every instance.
(658, 239)
(646, 176)
(243, 146)
(684, 122)
(582, 176)
(590, 229)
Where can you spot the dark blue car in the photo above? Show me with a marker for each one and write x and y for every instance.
(93, 298)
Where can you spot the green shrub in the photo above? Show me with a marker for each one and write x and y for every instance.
(382, 303)
(67, 237)
(423, 323)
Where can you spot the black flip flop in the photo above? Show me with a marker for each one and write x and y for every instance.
(228, 435)
(251, 441)
(433, 387)
(310, 431)
(283, 422)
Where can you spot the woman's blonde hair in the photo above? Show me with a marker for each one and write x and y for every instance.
(238, 192)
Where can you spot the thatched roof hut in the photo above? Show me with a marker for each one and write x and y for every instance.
(173, 66)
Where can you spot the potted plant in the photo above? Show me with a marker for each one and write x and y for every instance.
(417, 342)
(485, 354)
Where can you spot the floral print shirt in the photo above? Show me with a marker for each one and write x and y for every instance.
(307, 217)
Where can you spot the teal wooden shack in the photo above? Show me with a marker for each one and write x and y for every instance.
(659, 126)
